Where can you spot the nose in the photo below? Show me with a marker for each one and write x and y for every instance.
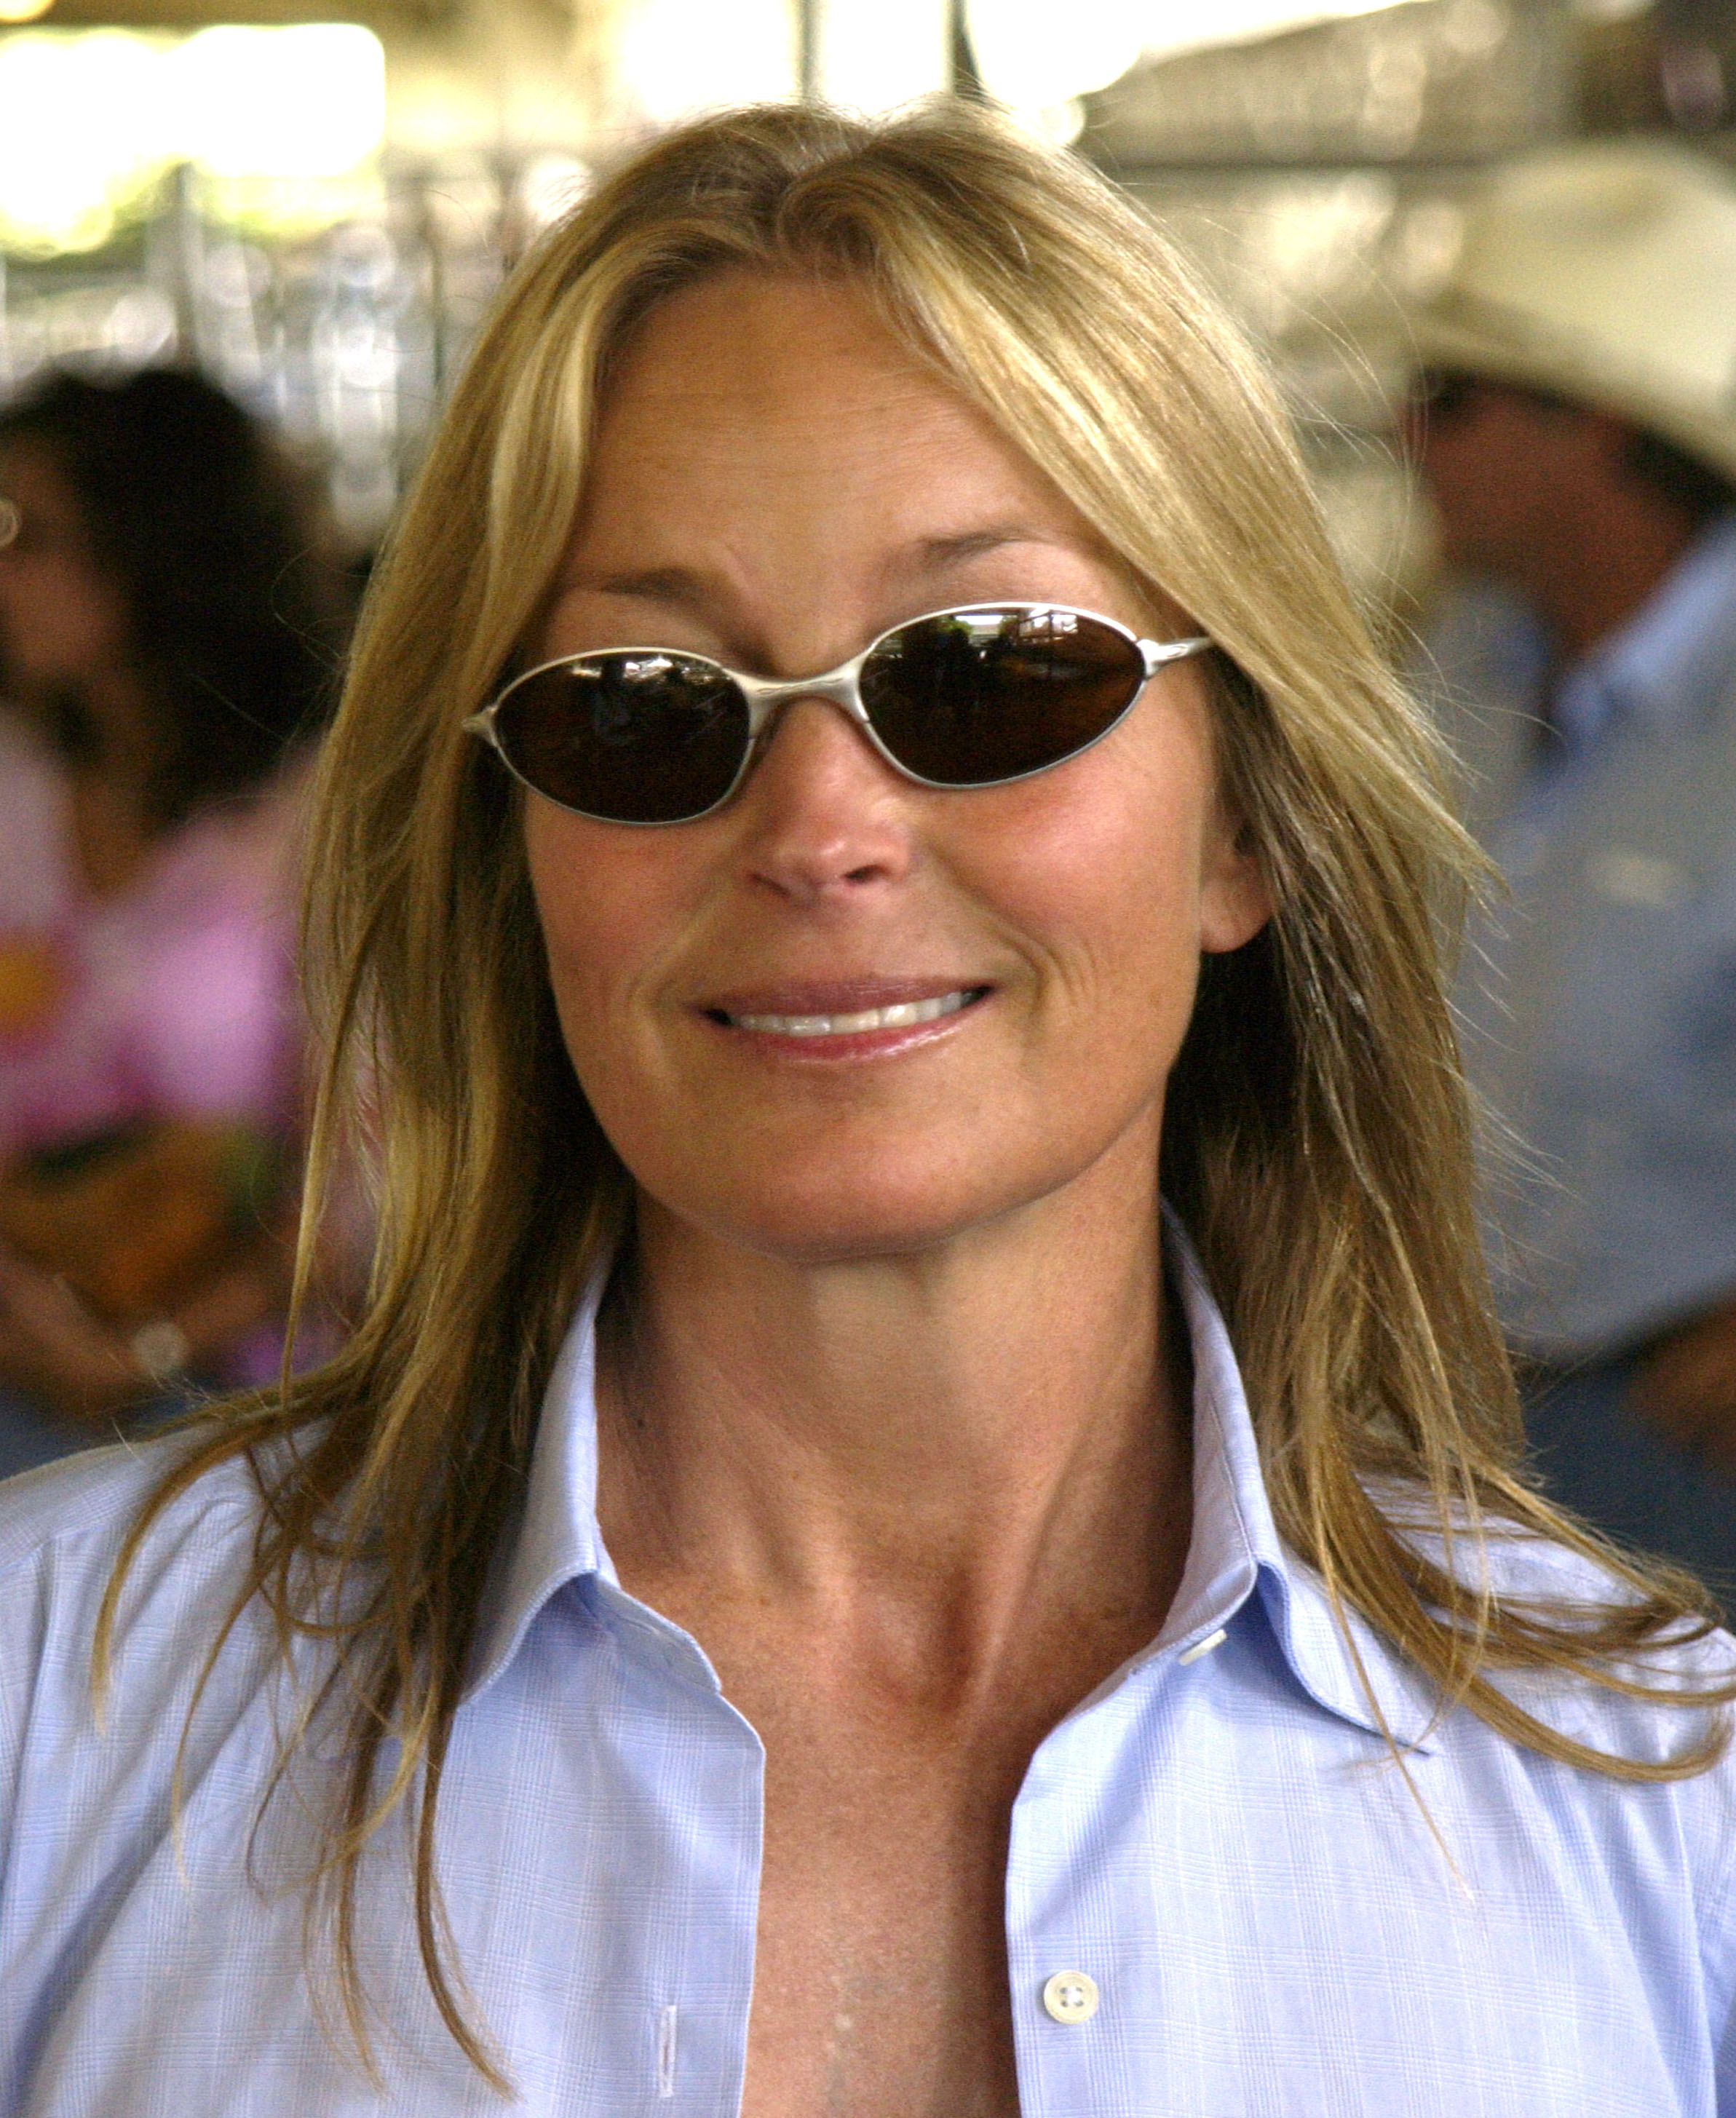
(825, 817)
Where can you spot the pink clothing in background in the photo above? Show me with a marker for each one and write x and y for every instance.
(173, 998)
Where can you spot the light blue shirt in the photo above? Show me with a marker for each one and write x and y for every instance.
(1218, 1837)
(1599, 1003)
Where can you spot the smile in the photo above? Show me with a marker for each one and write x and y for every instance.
(904, 1014)
(899, 1014)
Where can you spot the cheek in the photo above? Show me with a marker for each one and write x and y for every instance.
(612, 904)
(1105, 883)
(63, 616)
(1474, 473)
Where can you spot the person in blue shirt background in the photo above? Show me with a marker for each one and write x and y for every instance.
(1576, 431)
(925, 1514)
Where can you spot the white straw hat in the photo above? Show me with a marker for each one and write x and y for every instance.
(1605, 272)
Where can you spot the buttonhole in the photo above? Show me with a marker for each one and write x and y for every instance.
(666, 2052)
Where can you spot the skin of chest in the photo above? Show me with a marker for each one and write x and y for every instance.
(880, 1976)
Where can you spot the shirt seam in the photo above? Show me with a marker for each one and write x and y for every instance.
(58, 1536)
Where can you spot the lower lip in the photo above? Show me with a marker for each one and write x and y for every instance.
(856, 1044)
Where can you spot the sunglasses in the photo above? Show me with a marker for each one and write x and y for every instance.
(960, 698)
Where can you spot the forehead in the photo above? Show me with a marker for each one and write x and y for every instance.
(772, 459)
(752, 348)
(770, 391)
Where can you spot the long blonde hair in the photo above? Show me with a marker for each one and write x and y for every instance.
(1318, 1139)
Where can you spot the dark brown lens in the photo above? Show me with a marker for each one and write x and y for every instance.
(634, 738)
(979, 696)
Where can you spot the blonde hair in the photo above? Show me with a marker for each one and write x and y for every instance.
(1318, 1139)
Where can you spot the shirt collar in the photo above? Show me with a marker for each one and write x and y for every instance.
(1238, 1568)
(557, 1539)
(1236, 1558)
(1672, 658)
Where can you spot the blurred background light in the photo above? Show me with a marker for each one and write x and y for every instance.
(1034, 55)
(1037, 55)
(94, 118)
(549, 184)
(308, 100)
(1184, 25)
(80, 138)
(322, 223)
(677, 56)
(877, 57)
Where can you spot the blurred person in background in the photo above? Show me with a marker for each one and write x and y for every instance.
(1575, 427)
(166, 642)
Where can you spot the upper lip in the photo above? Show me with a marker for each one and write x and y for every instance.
(833, 995)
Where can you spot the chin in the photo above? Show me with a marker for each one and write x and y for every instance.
(858, 1207)
(848, 1236)
(819, 1224)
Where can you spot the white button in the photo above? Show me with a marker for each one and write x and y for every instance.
(1071, 1996)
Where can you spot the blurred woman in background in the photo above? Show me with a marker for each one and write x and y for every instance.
(167, 637)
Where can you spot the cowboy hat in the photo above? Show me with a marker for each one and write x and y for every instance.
(1606, 273)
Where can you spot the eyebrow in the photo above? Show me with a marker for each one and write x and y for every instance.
(939, 552)
(683, 585)
(656, 584)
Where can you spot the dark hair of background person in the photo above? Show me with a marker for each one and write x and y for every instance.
(1694, 488)
(236, 614)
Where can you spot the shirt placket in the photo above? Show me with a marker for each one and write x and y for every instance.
(696, 1985)
(1084, 2009)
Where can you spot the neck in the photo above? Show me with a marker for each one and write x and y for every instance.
(981, 1427)
(128, 744)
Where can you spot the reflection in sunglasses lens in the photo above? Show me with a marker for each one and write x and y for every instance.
(642, 738)
(981, 696)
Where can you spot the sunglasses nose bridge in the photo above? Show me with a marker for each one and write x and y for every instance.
(767, 698)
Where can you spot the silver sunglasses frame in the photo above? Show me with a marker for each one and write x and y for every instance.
(840, 687)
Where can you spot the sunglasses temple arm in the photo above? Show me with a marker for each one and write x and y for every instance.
(1160, 653)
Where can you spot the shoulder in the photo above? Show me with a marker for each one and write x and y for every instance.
(113, 1795)
(1566, 1641)
(82, 1507)
(1638, 1789)
(252, 844)
(1644, 1705)
(64, 1529)
(1538, 1581)
(193, 1691)
(1660, 1824)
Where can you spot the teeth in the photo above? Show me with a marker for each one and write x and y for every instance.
(904, 1015)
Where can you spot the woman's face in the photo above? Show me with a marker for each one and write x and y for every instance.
(62, 619)
(775, 483)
